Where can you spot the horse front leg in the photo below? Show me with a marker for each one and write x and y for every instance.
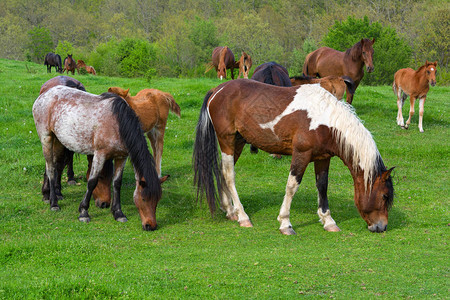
(116, 208)
(421, 110)
(97, 164)
(321, 168)
(412, 101)
(298, 167)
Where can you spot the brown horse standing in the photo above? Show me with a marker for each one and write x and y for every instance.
(306, 122)
(244, 64)
(222, 59)
(89, 69)
(69, 64)
(415, 84)
(326, 61)
(334, 84)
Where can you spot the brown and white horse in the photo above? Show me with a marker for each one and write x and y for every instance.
(334, 84)
(103, 126)
(306, 122)
(244, 64)
(222, 59)
(415, 84)
(326, 61)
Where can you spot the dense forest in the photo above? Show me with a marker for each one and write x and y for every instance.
(176, 37)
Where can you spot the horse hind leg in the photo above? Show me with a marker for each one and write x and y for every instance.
(236, 210)
(321, 170)
(401, 97)
(412, 101)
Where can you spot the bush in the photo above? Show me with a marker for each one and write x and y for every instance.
(40, 43)
(390, 51)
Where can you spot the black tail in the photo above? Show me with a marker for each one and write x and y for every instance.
(206, 160)
(58, 58)
(350, 84)
(133, 137)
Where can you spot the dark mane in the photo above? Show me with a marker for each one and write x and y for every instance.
(380, 169)
(133, 137)
(355, 51)
(73, 84)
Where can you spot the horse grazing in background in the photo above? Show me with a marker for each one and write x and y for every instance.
(306, 122)
(222, 59)
(272, 73)
(89, 69)
(69, 64)
(326, 61)
(334, 84)
(103, 126)
(53, 60)
(415, 84)
(244, 64)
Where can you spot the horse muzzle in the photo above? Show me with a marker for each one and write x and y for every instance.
(378, 227)
(148, 227)
(433, 82)
(370, 69)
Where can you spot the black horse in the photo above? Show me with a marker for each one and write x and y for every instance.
(53, 60)
(272, 73)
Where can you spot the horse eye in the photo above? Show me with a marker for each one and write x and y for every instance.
(385, 197)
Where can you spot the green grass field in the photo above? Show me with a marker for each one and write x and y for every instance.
(51, 255)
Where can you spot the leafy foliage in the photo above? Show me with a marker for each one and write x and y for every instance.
(40, 43)
(390, 51)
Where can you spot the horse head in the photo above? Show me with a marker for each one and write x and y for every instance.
(221, 70)
(431, 72)
(367, 53)
(146, 204)
(375, 210)
(119, 91)
(245, 64)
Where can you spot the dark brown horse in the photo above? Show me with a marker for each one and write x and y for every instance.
(306, 122)
(103, 126)
(415, 84)
(69, 64)
(53, 60)
(334, 84)
(272, 73)
(222, 59)
(326, 61)
(244, 64)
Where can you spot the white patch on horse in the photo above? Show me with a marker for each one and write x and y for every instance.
(323, 108)
(211, 98)
(432, 69)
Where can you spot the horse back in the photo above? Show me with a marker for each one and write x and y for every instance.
(409, 81)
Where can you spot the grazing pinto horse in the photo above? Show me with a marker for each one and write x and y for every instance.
(334, 84)
(272, 73)
(53, 60)
(69, 64)
(306, 122)
(415, 84)
(107, 128)
(89, 69)
(244, 64)
(326, 61)
(222, 59)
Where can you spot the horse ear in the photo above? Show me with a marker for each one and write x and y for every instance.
(127, 92)
(142, 183)
(362, 41)
(385, 176)
(164, 178)
(435, 63)
(373, 41)
(427, 62)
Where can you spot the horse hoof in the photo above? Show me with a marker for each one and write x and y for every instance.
(245, 223)
(71, 182)
(84, 219)
(287, 231)
(122, 219)
(406, 126)
(55, 208)
(332, 228)
(277, 156)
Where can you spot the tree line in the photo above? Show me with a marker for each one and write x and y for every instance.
(176, 37)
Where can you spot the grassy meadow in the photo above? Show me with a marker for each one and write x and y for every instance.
(51, 255)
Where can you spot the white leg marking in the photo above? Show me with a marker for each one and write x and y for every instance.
(328, 223)
(421, 109)
(283, 217)
(228, 174)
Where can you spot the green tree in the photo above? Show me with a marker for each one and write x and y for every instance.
(390, 51)
(64, 48)
(40, 43)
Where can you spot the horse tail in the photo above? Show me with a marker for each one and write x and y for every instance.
(173, 106)
(351, 87)
(206, 161)
(209, 66)
(131, 133)
(59, 63)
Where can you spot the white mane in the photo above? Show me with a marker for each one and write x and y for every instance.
(355, 140)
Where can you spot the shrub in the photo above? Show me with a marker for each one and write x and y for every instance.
(40, 43)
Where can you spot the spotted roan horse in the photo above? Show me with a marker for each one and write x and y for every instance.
(107, 128)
